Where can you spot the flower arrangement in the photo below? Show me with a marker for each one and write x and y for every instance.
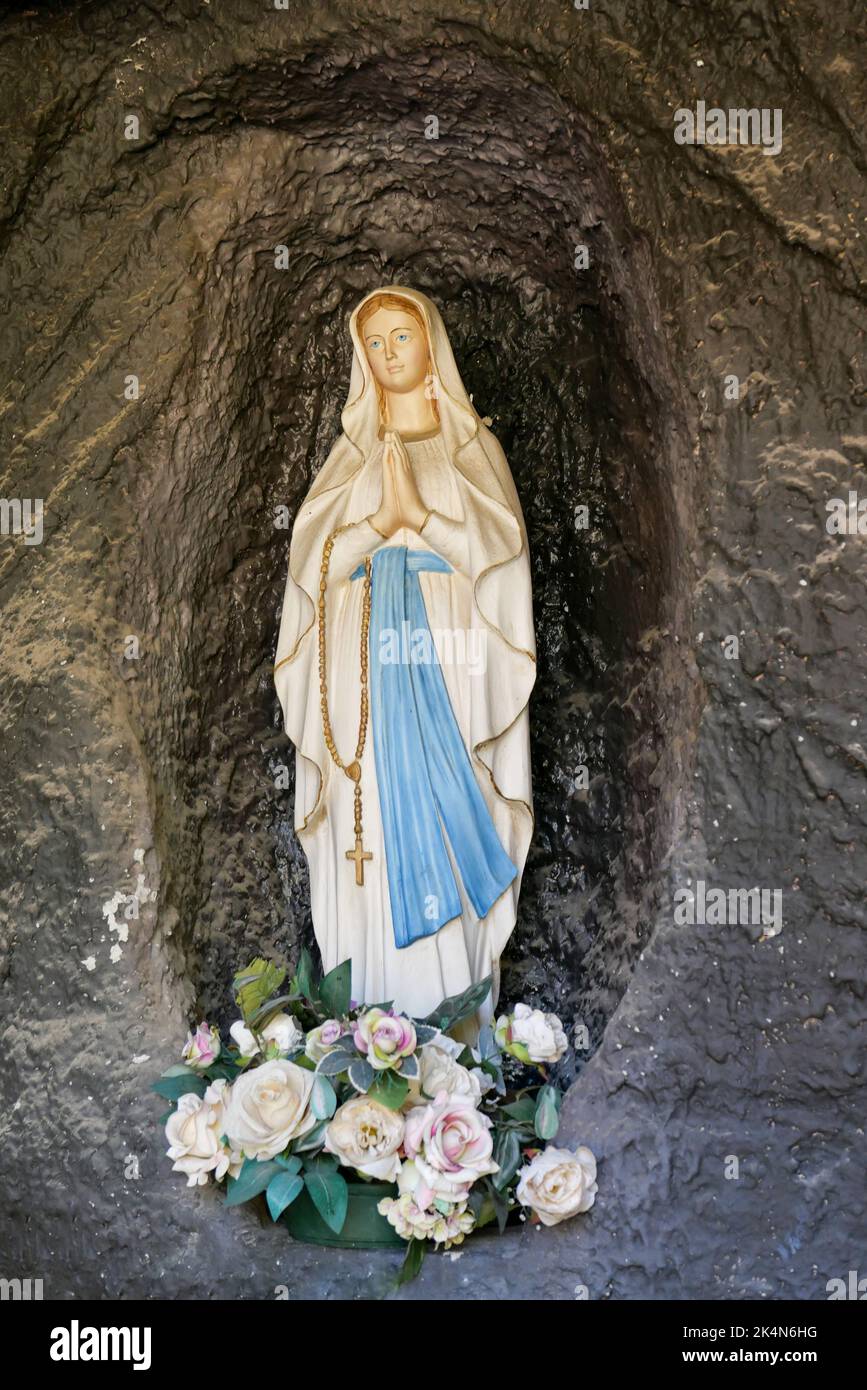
(315, 1092)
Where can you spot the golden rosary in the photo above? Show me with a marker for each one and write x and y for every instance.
(353, 771)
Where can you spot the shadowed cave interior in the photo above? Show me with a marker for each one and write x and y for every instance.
(331, 161)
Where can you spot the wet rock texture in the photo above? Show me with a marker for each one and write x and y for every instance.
(148, 840)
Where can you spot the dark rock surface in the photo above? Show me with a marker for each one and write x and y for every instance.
(147, 837)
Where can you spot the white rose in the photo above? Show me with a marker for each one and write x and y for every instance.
(438, 1071)
(285, 1031)
(366, 1135)
(241, 1034)
(194, 1133)
(282, 1030)
(268, 1107)
(558, 1184)
(542, 1034)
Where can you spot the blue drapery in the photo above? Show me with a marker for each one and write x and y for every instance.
(424, 775)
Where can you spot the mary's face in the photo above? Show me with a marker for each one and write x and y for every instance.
(396, 349)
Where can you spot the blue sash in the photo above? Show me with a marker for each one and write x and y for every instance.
(425, 778)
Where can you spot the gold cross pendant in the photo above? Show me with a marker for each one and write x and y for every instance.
(359, 854)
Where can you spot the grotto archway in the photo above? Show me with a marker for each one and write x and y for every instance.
(333, 164)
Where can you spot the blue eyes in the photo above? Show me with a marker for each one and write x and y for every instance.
(377, 344)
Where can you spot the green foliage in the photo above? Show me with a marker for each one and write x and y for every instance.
(481, 1205)
(328, 1191)
(282, 1190)
(389, 1089)
(335, 990)
(179, 1081)
(459, 1006)
(547, 1118)
(523, 1110)
(412, 1261)
(304, 981)
(500, 1204)
(409, 1067)
(507, 1152)
(361, 1074)
(254, 1177)
(255, 985)
(323, 1098)
(263, 1015)
(336, 1061)
(310, 1141)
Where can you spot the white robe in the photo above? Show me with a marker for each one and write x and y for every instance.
(476, 525)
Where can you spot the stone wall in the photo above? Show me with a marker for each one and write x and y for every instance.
(147, 839)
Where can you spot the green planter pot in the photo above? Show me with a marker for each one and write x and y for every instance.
(364, 1228)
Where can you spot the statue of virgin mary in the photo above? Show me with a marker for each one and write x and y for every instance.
(404, 665)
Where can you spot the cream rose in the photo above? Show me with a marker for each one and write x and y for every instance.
(558, 1184)
(450, 1142)
(531, 1035)
(195, 1132)
(268, 1107)
(283, 1031)
(438, 1071)
(366, 1135)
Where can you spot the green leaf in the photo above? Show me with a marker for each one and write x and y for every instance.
(409, 1067)
(523, 1110)
(336, 989)
(330, 1196)
(501, 1207)
(507, 1152)
(459, 1006)
(311, 1140)
(281, 1191)
(253, 1178)
(412, 1261)
(221, 1071)
(305, 977)
(496, 1071)
(255, 985)
(482, 1207)
(333, 1063)
(322, 1163)
(424, 1033)
(361, 1074)
(323, 1098)
(269, 1009)
(180, 1084)
(290, 1163)
(487, 1045)
(389, 1089)
(547, 1118)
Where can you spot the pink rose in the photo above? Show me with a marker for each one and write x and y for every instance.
(202, 1047)
(384, 1038)
(451, 1145)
